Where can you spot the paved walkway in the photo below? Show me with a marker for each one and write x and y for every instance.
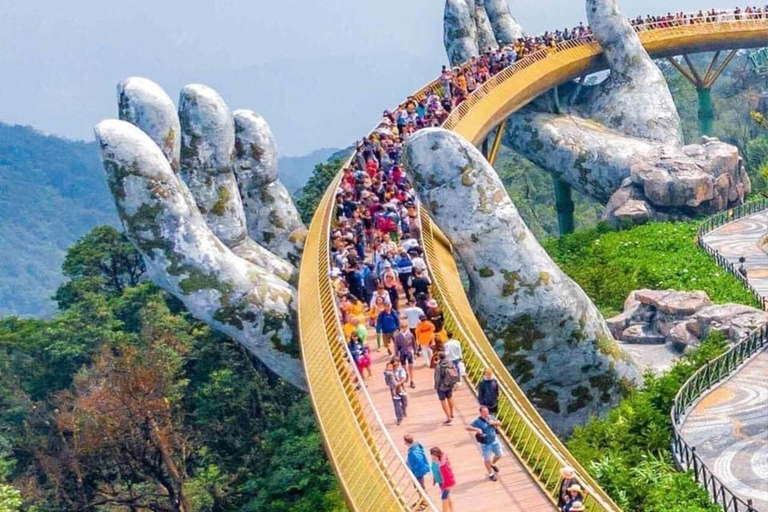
(515, 489)
(729, 427)
(741, 238)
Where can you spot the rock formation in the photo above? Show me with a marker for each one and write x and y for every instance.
(682, 319)
(621, 143)
(176, 190)
(547, 331)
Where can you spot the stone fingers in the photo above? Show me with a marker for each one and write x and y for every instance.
(459, 31)
(145, 104)
(485, 38)
(548, 332)
(207, 149)
(506, 29)
(184, 257)
(635, 99)
(271, 216)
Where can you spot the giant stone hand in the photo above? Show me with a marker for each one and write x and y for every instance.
(199, 197)
(546, 330)
(621, 142)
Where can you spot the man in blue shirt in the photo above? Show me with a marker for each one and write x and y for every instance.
(387, 323)
(485, 426)
(417, 460)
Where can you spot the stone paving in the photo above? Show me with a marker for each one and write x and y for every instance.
(729, 426)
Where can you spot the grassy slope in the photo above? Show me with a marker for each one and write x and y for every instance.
(610, 264)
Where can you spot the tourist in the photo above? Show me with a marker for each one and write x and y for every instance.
(488, 391)
(388, 322)
(567, 479)
(404, 272)
(420, 282)
(443, 477)
(374, 312)
(574, 496)
(401, 377)
(484, 428)
(417, 459)
(391, 383)
(452, 349)
(413, 315)
(425, 337)
(405, 349)
(446, 377)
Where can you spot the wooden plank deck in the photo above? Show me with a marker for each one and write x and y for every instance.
(515, 489)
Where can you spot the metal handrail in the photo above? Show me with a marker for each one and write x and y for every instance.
(370, 468)
(539, 450)
(714, 372)
(372, 476)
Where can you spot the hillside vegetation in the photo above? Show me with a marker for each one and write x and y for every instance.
(52, 191)
(123, 402)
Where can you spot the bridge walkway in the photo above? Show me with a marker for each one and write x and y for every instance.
(515, 490)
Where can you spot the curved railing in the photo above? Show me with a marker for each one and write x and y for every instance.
(714, 372)
(367, 463)
(520, 83)
(536, 446)
(370, 469)
(725, 217)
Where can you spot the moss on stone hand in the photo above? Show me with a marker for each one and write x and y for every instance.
(486, 272)
(220, 207)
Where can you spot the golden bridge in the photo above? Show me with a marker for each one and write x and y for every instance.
(365, 450)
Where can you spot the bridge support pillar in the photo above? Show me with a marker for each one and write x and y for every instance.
(494, 152)
(703, 83)
(564, 206)
(706, 111)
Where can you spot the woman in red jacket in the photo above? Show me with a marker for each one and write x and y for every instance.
(443, 476)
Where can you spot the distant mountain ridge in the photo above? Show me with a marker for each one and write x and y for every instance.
(52, 192)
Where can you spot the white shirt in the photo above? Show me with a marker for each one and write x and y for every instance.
(452, 349)
(413, 314)
(419, 263)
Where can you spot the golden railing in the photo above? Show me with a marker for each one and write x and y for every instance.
(366, 460)
(371, 471)
(529, 436)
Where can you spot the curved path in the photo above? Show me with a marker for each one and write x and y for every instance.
(729, 428)
(362, 444)
(729, 425)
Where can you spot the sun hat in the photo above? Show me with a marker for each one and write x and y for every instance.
(577, 506)
(574, 488)
(431, 303)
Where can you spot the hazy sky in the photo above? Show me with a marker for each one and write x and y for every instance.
(320, 71)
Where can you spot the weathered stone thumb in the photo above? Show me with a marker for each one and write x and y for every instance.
(547, 331)
(185, 258)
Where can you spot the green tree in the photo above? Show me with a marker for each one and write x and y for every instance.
(103, 261)
(310, 195)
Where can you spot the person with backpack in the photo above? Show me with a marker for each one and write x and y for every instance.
(488, 391)
(484, 428)
(446, 377)
(417, 459)
(443, 476)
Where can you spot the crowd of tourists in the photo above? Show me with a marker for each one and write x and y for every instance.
(380, 277)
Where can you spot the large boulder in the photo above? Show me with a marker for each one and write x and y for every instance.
(681, 319)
